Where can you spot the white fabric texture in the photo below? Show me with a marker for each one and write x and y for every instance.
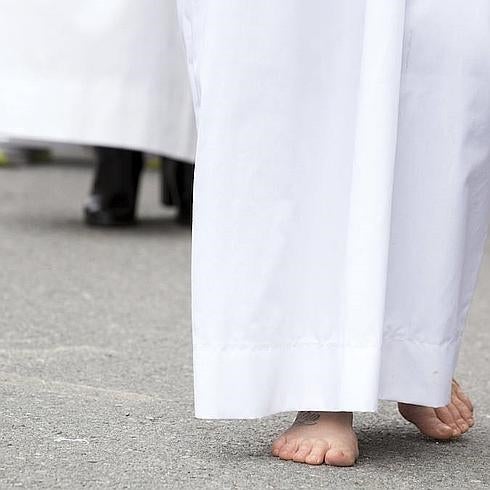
(108, 73)
(341, 199)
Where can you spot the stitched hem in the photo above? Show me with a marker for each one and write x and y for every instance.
(241, 383)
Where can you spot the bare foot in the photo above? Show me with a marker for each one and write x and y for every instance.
(317, 438)
(442, 423)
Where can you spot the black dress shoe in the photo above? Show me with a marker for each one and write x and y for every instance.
(112, 201)
(96, 214)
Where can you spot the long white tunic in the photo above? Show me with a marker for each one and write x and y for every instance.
(341, 199)
(108, 72)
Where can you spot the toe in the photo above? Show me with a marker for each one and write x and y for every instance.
(441, 431)
(438, 427)
(277, 445)
(465, 411)
(340, 457)
(436, 423)
(462, 396)
(462, 425)
(302, 452)
(288, 450)
(447, 418)
(317, 453)
(460, 422)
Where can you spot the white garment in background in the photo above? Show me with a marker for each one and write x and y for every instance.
(108, 72)
(341, 199)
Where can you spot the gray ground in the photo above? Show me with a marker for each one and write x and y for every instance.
(95, 365)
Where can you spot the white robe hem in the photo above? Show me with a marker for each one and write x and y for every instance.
(246, 383)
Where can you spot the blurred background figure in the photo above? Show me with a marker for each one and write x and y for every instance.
(115, 187)
(107, 74)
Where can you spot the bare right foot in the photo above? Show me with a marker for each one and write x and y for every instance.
(442, 423)
(318, 438)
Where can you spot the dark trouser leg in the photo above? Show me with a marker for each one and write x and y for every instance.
(177, 184)
(114, 192)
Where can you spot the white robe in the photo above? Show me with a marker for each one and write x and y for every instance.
(108, 72)
(341, 199)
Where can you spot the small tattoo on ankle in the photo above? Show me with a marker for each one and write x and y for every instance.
(307, 418)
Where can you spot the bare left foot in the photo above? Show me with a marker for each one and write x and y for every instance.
(443, 423)
(319, 438)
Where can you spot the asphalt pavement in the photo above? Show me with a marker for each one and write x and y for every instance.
(96, 369)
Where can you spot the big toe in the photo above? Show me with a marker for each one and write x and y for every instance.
(434, 424)
(435, 428)
(340, 457)
(277, 445)
(440, 430)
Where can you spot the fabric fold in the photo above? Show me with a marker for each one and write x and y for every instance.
(341, 200)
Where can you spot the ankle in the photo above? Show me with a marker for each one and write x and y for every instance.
(311, 417)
